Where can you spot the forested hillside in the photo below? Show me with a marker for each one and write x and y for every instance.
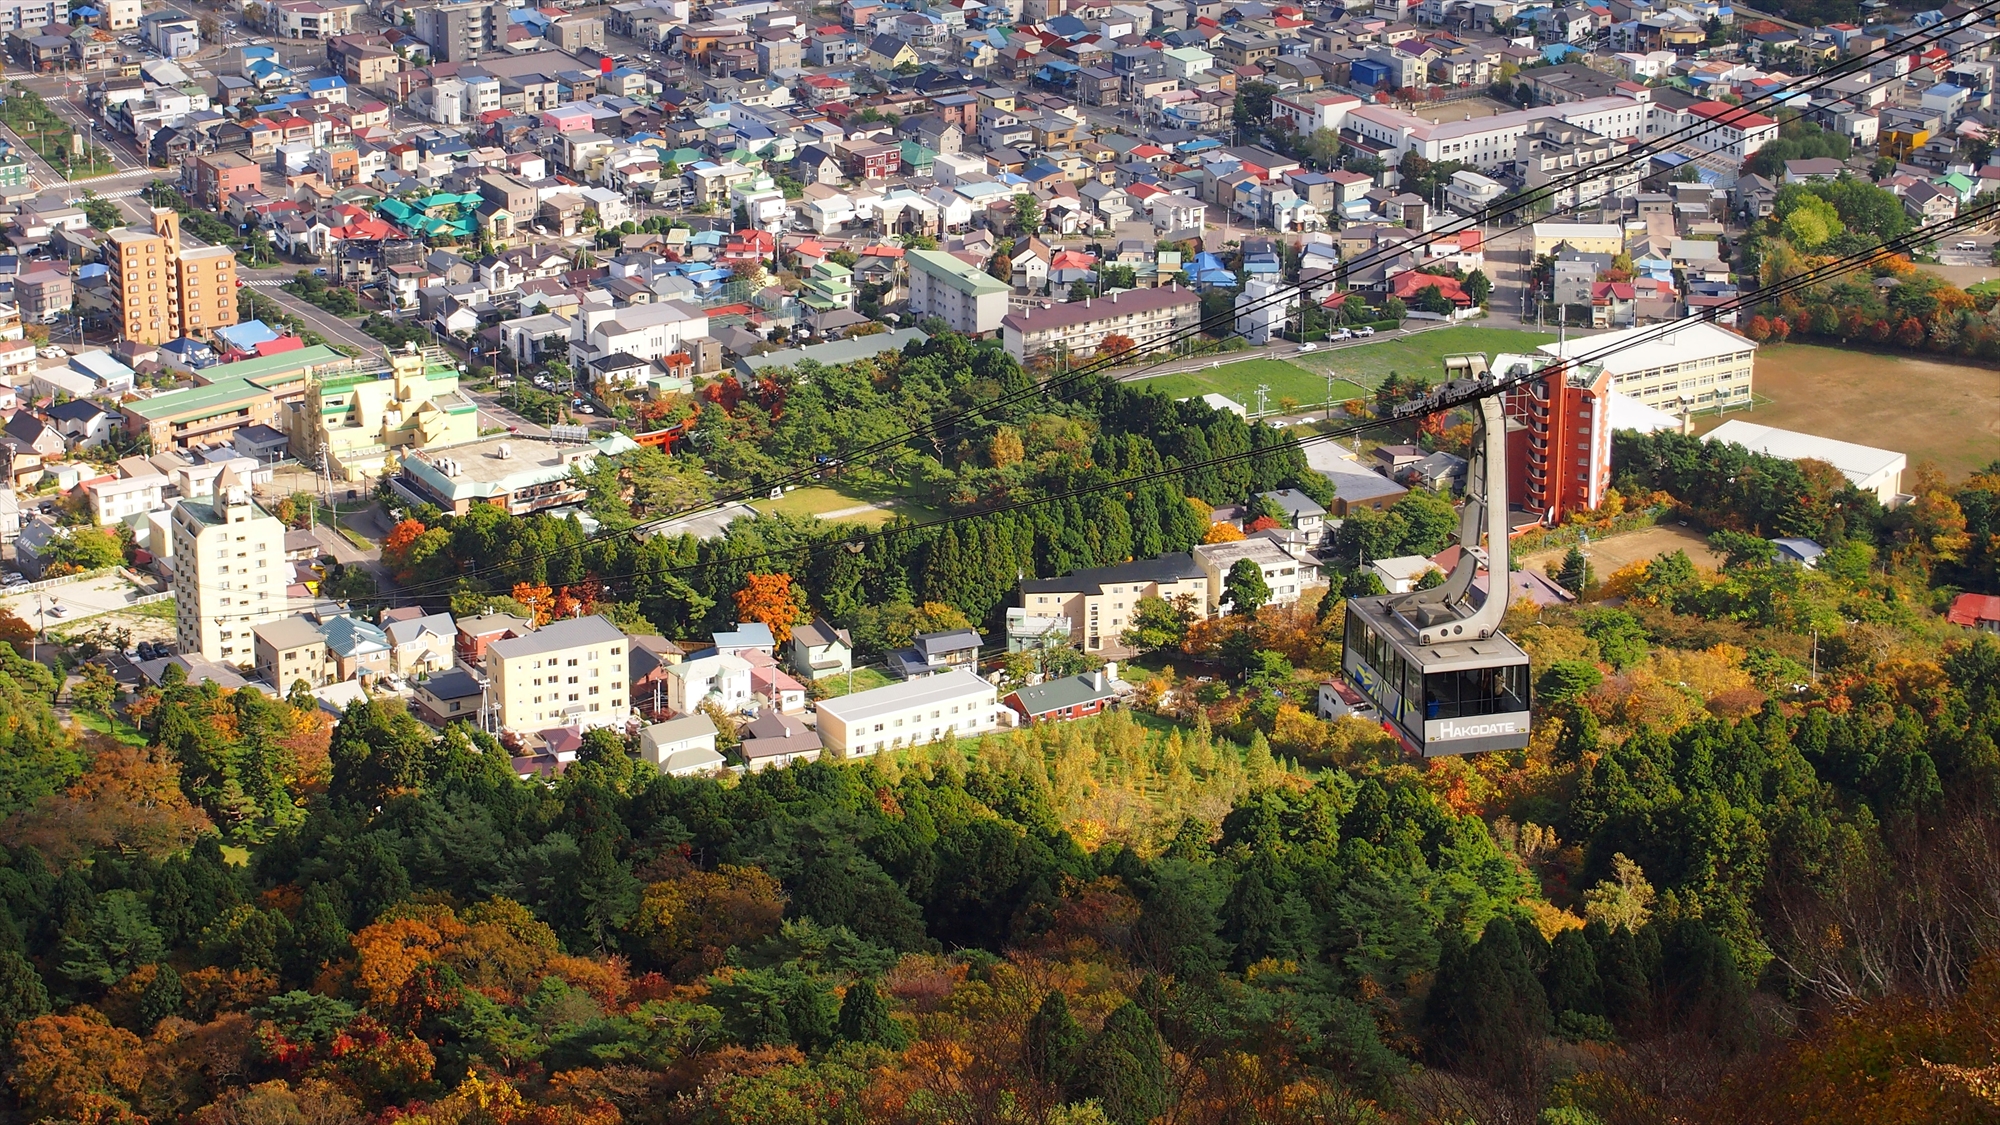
(1748, 871)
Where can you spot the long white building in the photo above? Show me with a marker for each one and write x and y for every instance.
(1489, 142)
(1702, 364)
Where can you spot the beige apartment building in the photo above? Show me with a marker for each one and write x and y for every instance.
(1099, 602)
(1076, 328)
(229, 572)
(291, 649)
(164, 292)
(570, 671)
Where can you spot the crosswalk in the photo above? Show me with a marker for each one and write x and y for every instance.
(266, 282)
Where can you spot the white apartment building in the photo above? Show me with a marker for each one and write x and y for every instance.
(566, 672)
(969, 299)
(912, 713)
(724, 676)
(1076, 328)
(1700, 364)
(229, 572)
(1739, 132)
(1308, 112)
(27, 15)
(1288, 571)
(646, 332)
(118, 15)
(1488, 142)
(117, 499)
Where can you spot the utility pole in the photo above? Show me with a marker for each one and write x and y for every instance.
(1263, 389)
(1329, 396)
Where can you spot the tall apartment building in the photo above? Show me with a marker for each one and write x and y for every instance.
(968, 298)
(1558, 436)
(229, 572)
(164, 292)
(1141, 315)
(457, 32)
(566, 672)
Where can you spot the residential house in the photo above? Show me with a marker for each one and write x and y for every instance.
(931, 653)
(819, 650)
(1070, 697)
(682, 747)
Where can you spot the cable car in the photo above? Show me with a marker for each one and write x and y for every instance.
(1441, 675)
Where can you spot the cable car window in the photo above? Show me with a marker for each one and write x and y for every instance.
(1467, 692)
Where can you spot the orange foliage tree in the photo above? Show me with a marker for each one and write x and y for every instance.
(396, 545)
(768, 598)
(1115, 346)
(76, 1067)
(129, 799)
(539, 599)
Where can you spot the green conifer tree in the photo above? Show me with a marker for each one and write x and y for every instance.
(865, 1018)
(1126, 1068)
(22, 994)
(1053, 1042)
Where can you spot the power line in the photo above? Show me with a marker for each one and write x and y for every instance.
(936, 428)
(1438, 401)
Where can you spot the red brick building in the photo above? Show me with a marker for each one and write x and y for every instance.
(1559, 441)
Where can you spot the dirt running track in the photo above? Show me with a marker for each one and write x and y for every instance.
(1607, 555)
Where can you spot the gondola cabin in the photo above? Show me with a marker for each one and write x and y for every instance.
(1448, 697)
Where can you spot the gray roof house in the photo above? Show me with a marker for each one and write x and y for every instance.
(931, 653)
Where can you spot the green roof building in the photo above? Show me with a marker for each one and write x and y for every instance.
(945, 285)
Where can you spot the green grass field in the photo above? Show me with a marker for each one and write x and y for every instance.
(822, 499)
(1357, 368)
(1289, 383)
(865, 679)
(119, 729)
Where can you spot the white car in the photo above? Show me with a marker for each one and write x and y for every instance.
(1340, 334)
(1304, 348)
(1364, 330)
(1968, 244)
(56, 610)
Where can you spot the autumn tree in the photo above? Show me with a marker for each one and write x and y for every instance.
(129, 799)
(76, 1066)
(1115, 346)
(396, 545)
(538, 599)
(770, 599)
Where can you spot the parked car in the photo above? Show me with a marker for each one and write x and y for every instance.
(1340, 334)
(1364, 330)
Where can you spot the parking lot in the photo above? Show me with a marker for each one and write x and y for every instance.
(56, 606)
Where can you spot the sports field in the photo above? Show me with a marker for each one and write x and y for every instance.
(1292, 387)
(1927, 409)
(1357, 368)
(844, 502)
